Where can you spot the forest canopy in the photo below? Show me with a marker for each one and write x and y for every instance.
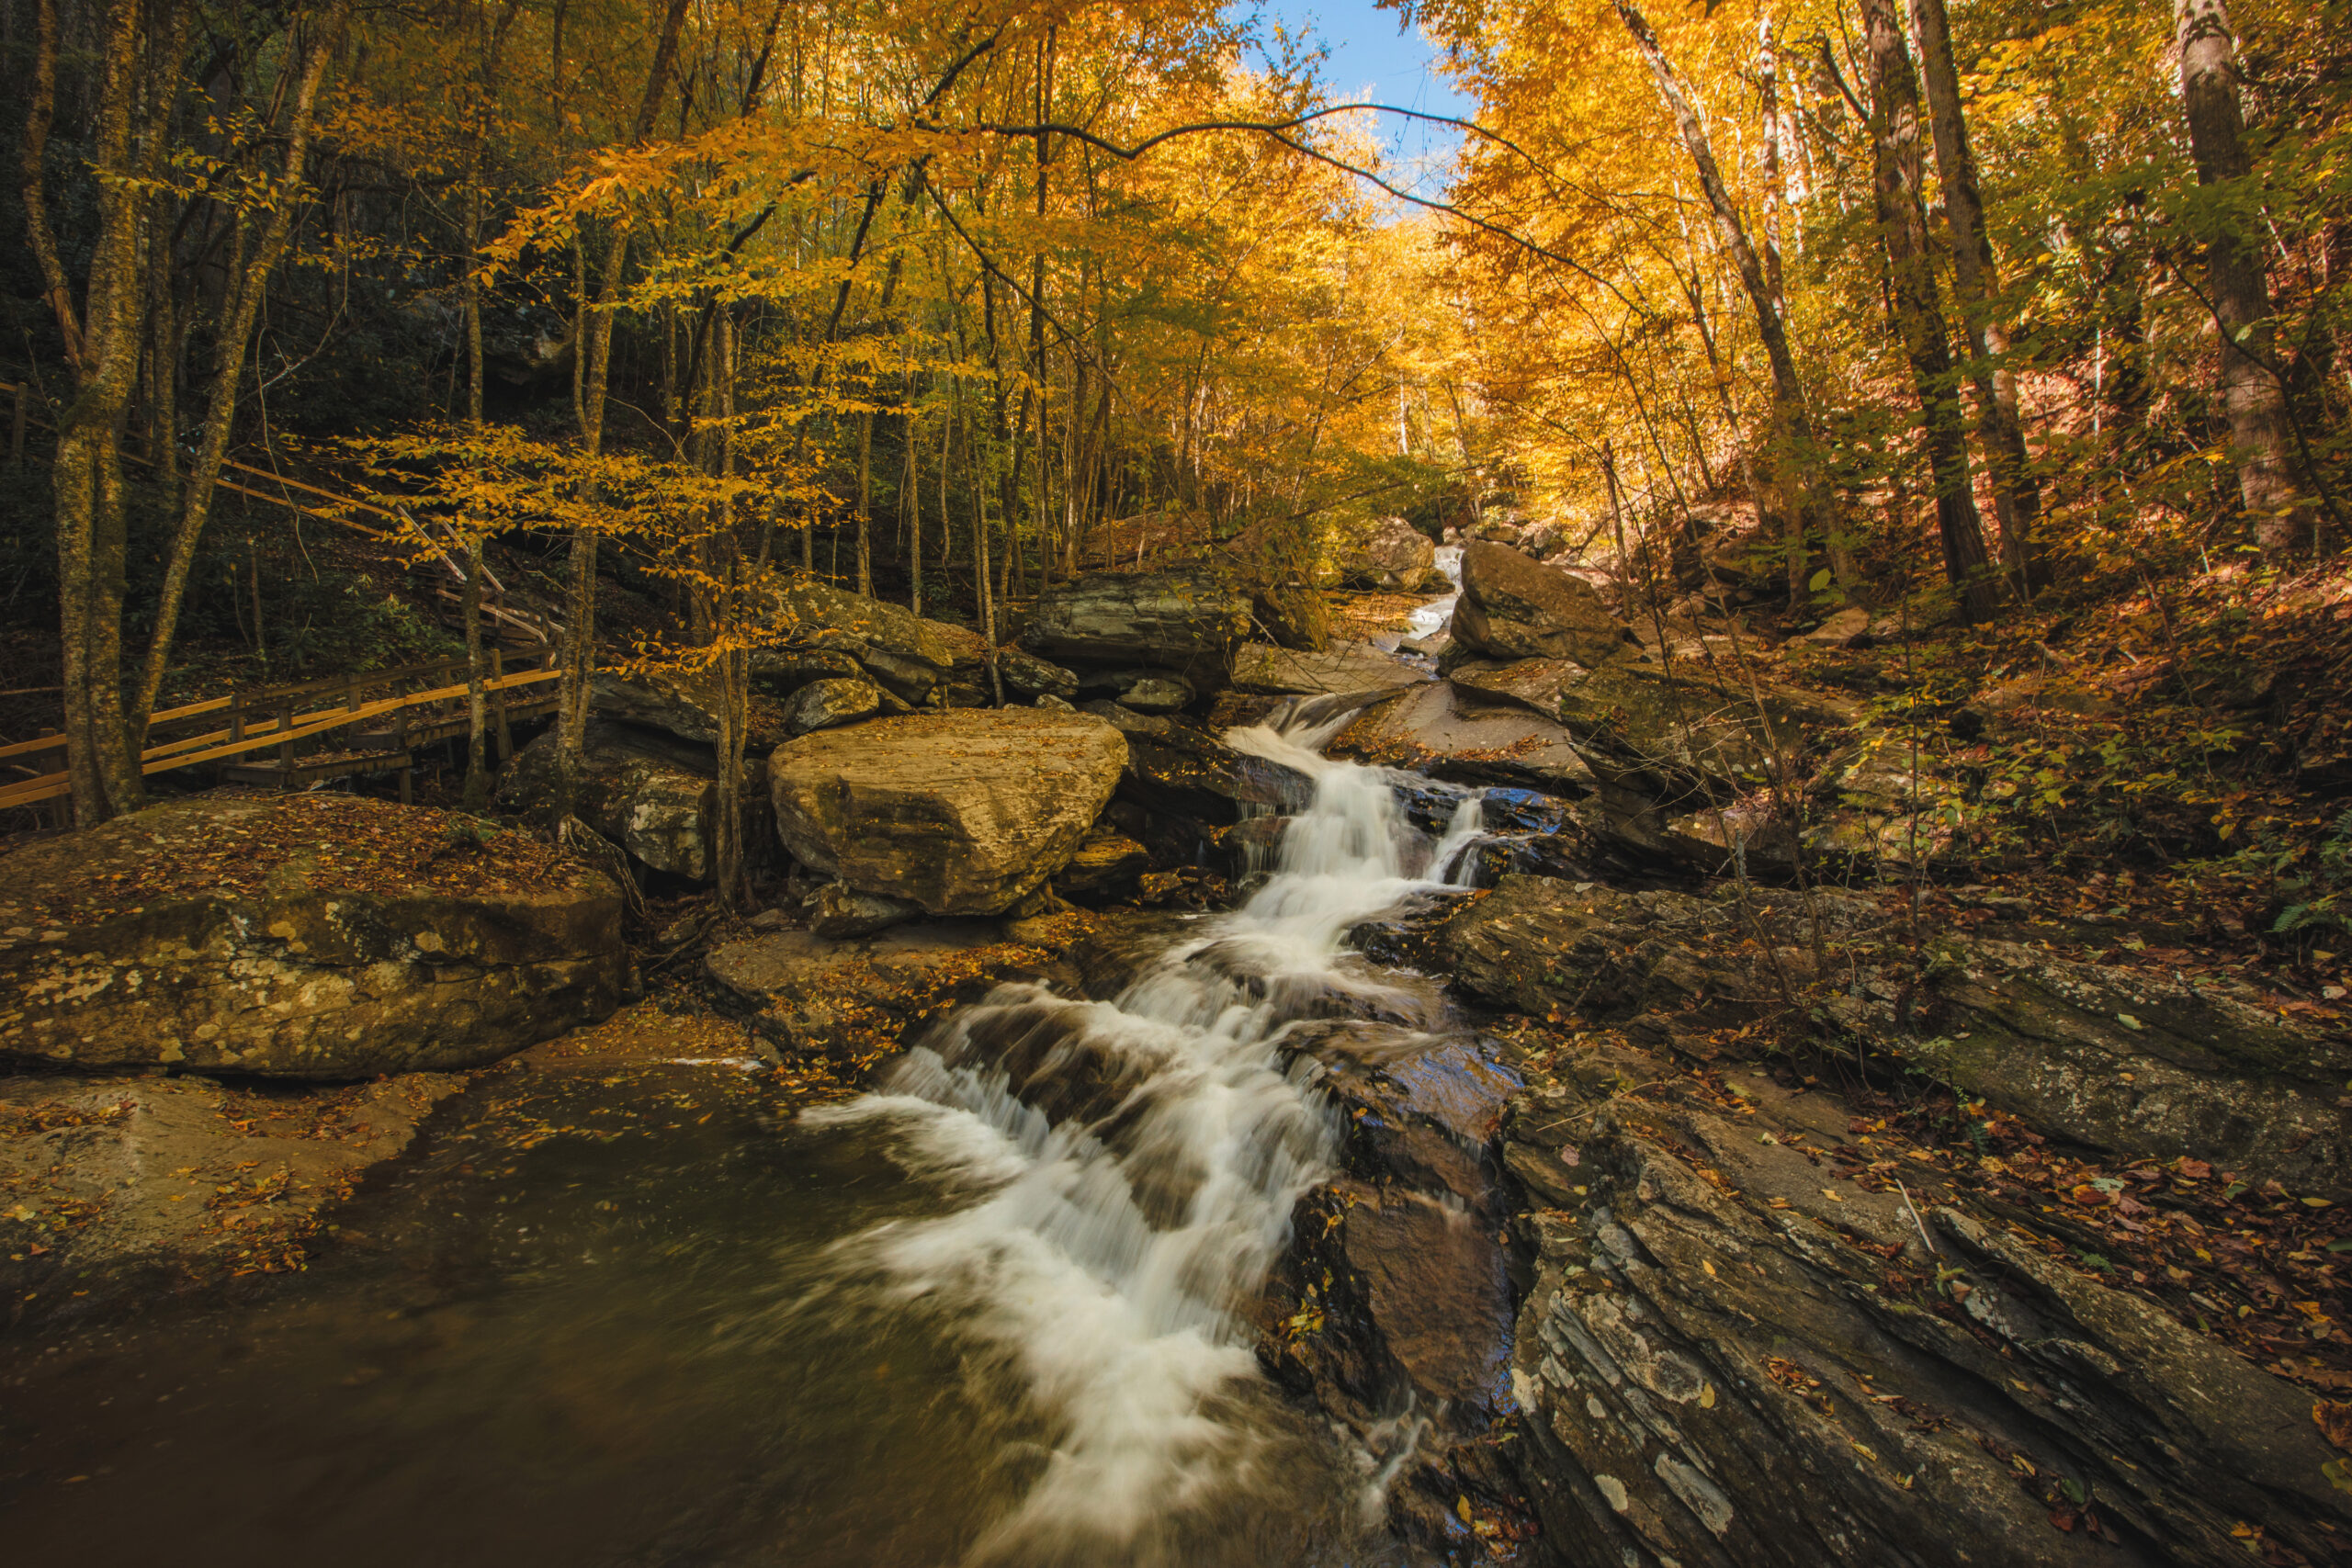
(1945, 307)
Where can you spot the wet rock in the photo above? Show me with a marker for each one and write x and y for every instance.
(1512, 607)
(317, 974)
(1189, 622)
(961, 813)
(853, 998)
(1105, 867)
(651, 794)
(1347, 667)
(837, 910)
(1053, 704)
(1723, 1360)
(122, 1189)
(1391, 555)
(1397, 1297)
(1433, 730)
(822, 704)
(1185, 772)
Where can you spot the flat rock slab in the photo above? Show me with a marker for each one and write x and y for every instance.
(962, 813)
(1450, 734)
(300, 937)
(1343, 667)
(114, 1186)
(851, 999)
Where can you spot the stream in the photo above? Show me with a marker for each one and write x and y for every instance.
(994, 1311)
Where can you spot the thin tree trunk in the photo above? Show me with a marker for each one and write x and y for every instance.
(243, 311)
(476, 794)
(1919, 309)
(2240, 293)
(595, 338)
(2017, 497)
(1791, 472)
(733, 665)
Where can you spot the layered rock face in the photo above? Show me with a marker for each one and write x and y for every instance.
(2113, 1058)
(1512, 607)
(307, 961)
(1184, 621)
(1732, 1358)
(961, 813)
(1764, 1329)
(907, 656)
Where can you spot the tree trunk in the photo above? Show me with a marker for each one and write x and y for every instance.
(1791, 474)
(1918, 309)
(2251, 388)
(476, 794)
(238, 320)
(102, 764)
(594, 338)
(2017, 497)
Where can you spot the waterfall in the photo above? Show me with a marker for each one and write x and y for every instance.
(1128, 1168)
(1450, 863)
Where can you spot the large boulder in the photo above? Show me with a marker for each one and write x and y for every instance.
(1186, 621)
(652, 795)
(1183, 771)
(298, 937)
(1512, 607)
(1391, 554)
(961, 813)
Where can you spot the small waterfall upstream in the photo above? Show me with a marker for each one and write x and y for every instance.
(1127, 1169)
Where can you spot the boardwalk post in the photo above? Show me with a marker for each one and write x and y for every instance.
(286, 748)
(505, 735)
(400, 744)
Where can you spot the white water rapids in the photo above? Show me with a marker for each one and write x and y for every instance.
(1127, 1171)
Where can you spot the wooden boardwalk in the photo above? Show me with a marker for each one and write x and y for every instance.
(330, 729)
(320, 729)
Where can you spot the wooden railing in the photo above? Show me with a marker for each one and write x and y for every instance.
(285, 717)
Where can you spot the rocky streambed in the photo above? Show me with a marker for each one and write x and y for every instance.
(1455, 1166)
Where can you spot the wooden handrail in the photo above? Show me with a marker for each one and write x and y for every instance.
(48, 785)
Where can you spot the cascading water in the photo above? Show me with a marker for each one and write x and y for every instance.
(1129, 1168)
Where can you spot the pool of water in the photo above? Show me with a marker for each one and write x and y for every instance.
(997, 1310)
(645, 1348)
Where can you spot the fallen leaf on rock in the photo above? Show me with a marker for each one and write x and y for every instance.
(2335, 1420)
